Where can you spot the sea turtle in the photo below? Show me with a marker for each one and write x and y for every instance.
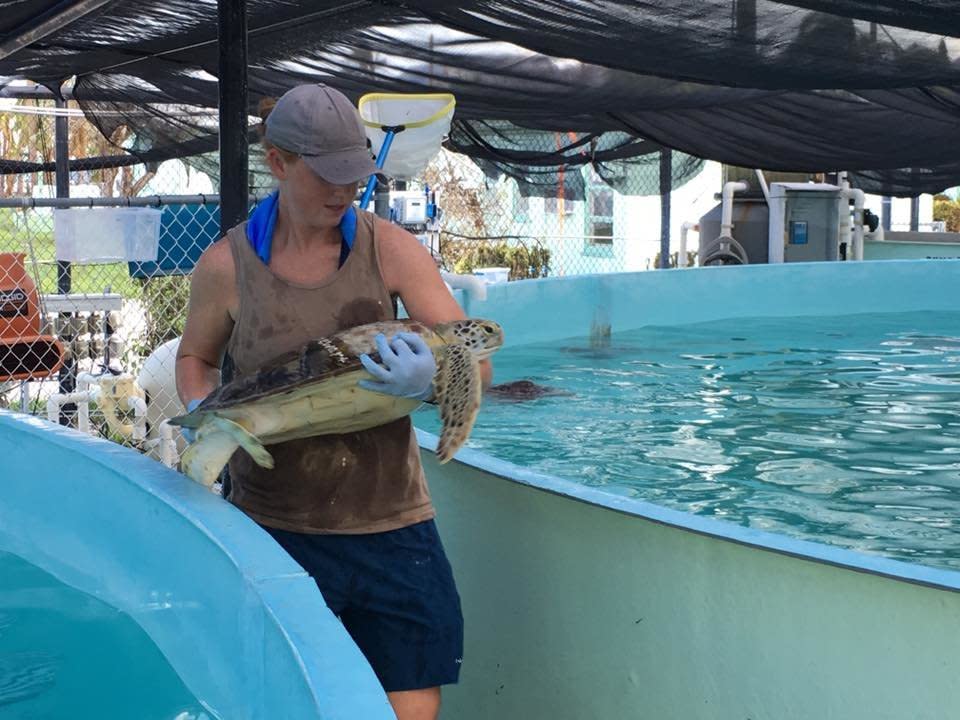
(520, 390)
(314, 391)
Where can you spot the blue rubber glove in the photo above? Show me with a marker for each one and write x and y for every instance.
(190, 434)
(407, 370)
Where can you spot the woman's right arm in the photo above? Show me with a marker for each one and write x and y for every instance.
(210, 319)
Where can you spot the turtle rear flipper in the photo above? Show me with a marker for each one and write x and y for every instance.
(217, 439)
(457, 392)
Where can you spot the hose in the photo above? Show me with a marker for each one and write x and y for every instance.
(724, 251)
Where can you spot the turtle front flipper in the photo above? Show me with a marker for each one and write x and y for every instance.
(217, 439)
(457, 391)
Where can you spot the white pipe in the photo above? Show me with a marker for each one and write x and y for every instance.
(856, 194)
(476, 287)
(843, 238)
(168, 445)
(86, 383)
(763, 185)
(858, 202)
(726, 206)
(85, 380)
(139, 407)
(682, 252)
(81, 399)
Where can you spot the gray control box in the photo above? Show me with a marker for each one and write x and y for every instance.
(804, 222)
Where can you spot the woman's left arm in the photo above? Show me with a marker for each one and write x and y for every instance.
(409, 271)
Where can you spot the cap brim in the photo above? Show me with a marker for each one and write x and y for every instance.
(344, 167)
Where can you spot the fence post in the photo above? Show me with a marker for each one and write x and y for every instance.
(68, 372)
(232, 34)
(666, 187)
(232, 40)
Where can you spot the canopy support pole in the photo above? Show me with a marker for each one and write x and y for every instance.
(666, 187)
(232, 35)
(46, 24)
(234, 169)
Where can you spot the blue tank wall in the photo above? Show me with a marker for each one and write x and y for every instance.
(248, 630)
(583, 603)
(553, 308)
(244, 626)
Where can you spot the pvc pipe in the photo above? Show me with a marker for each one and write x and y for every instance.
(473, 285)
(139, 407)
(856, 194)
(726, 206)
(168, 445)
(85, 380)
(682, 251)
(82, 401)
(844, 222)
(858, 202)
(763, 185)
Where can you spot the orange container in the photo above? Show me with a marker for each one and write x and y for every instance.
(24, 353)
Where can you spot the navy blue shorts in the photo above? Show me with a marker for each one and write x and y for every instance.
(395, 594)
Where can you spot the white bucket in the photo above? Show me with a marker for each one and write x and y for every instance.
(493, 274)
(98, 235)
(426, 121)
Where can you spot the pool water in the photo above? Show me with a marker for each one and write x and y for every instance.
(843, 429)
(65, 654)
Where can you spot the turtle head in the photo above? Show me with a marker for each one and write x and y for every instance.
(483, 337)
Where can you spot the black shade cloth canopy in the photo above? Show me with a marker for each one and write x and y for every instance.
(868, 86)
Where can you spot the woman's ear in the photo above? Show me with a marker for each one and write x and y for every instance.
(277, 164)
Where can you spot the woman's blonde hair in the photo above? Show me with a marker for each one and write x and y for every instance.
(264, 108)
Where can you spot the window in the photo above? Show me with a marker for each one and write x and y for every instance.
(601, 202)
(601, 232)
(599, 221)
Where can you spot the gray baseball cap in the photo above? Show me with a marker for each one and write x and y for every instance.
(323, 127)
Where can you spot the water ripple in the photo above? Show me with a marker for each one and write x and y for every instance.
(843, 430)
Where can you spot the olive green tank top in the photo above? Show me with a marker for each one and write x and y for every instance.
(360, 482)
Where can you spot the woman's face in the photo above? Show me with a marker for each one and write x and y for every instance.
(310, 198)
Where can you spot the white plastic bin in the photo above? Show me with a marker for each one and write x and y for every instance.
(98, 235)
(493, 274)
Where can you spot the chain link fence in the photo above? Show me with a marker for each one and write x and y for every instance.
(90, 318)
(579, 225)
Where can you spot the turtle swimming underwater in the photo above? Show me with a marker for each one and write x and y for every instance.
(520, 390)
(314, 391)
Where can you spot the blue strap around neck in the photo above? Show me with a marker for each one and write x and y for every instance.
(263, 220)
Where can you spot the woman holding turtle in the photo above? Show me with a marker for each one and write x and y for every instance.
(352, 509)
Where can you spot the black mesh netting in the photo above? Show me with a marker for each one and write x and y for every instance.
(800, 85)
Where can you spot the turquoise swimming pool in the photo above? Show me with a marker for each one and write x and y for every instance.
(129, 591)
(66, 654)
(636, 608)
(842, 429)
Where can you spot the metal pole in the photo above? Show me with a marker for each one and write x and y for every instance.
(372, 183)
(666, 186)
(886, 211)
(914, 214)
(62, 150)
(232, 39)
(21, 37)
(67, 374)
(232, 34)
(87, 202)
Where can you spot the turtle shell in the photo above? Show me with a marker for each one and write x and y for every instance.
(316, 361)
